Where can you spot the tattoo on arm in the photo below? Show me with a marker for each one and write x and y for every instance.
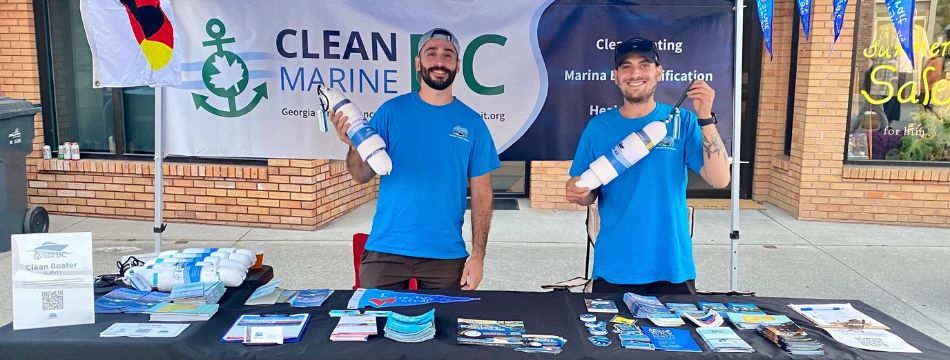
(713, 147)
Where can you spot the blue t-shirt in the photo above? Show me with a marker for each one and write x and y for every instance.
(435, 150)
(644, 233)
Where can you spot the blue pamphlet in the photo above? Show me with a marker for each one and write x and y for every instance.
(668, 339)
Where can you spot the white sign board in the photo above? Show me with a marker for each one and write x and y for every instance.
(52, 280)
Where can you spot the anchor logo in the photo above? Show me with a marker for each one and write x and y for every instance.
(225, 74)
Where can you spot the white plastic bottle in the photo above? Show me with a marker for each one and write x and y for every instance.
(243, 256)
(368, 143)
(201, 261)
(630, 150)
(240, 258)
(165, 276)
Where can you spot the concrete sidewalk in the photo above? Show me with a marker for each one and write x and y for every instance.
(900, 270)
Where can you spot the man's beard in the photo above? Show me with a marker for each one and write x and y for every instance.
(437, 84)
(644, 96)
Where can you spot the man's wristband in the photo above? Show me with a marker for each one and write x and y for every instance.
(709, 121)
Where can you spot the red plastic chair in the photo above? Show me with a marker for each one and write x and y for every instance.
(359, 244)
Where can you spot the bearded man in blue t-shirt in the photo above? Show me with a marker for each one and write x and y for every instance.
(644, 244)
(437, 145)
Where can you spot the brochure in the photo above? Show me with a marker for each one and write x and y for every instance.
(292, 325)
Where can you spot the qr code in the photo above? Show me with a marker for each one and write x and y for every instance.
(52, 300)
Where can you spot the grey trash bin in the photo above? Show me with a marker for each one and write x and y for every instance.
(16, 142)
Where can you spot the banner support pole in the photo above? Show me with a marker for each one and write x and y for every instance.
(736, 147)
(158, 183)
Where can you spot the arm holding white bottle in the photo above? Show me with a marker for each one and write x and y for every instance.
(580, 195)
(359, 169)
(607, 167)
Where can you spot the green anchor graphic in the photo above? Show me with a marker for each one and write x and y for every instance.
(219, 75)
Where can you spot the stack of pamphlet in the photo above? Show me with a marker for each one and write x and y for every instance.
(752, 321)
(197, 293)
(410, 329)
(354, 328)
(666, 319)
(123, 300)
(601, 306)
(706, 306)
(744, 308)
(632, 337)
(671, 339)
(682, 308)
(292, 326)
(837, 316)
(266, 294)
(723, 339)
(544, 344)
(490, 332)
(310, 298)
(182, 312)
(708, 319)
(792, 339)
(643, 306)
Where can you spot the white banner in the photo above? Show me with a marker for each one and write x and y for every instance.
(132, 43)
(52, 280)
(251, 69)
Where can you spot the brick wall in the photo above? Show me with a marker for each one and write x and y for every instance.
(776, 181)
(295, 194)
(813, 182)
(547, 185)
(18, 76)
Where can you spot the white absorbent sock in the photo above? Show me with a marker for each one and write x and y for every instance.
(368, 143)
(164, 276)
(630, 150)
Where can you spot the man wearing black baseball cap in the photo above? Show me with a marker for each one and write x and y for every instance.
(438, 145)
(644, 244)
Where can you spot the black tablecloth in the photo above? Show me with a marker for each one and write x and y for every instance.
(543, 313)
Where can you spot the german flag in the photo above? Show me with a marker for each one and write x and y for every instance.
(152, 30)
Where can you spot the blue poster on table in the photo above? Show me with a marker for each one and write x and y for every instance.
(385, 298)
(902, 13)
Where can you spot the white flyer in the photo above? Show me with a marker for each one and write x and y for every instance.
(52, 280)
(872, 339)
(143, 330)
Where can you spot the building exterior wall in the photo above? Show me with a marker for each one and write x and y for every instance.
(284, 193)
(812, 182)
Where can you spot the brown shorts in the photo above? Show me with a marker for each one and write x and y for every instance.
(392, 272)
(654, 288)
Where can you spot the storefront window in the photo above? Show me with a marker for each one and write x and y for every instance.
(83, 114)
(139, 112)
(901, 112)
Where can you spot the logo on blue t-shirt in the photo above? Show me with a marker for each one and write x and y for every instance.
(459, 132)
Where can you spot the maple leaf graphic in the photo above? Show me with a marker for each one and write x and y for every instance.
(229, 74)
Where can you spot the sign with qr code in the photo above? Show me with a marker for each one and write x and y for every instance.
(52, 280)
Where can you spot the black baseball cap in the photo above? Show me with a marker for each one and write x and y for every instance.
(639, 46)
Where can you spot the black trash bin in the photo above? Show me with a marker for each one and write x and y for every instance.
(16, 142)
